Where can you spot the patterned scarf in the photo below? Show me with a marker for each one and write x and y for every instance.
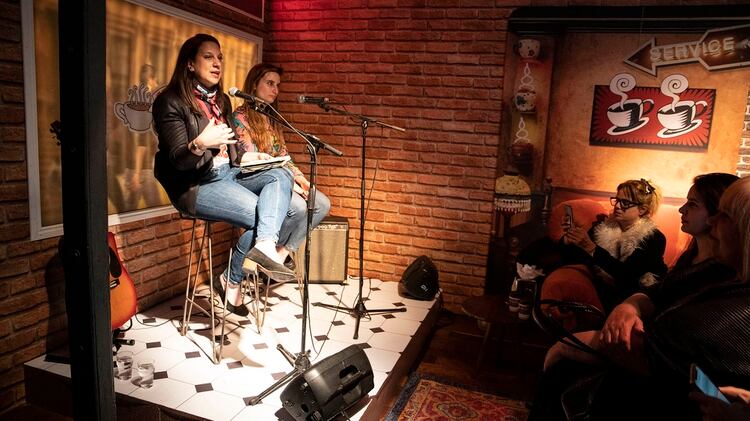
(207, 101)
(208, 98)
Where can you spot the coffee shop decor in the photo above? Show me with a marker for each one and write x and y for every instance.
(671, 116)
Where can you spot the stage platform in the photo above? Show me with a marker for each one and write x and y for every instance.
(188, 385)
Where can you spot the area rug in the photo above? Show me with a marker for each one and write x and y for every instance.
(428, 397)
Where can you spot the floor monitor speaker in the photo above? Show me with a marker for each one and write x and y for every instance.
(329, 251)
(330, 386)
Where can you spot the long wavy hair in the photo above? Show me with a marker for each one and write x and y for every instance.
(735, 202)
(709, 188)
(183, 81)
(258, 129)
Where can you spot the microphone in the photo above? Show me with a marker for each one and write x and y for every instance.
(313, 100)
(257, 102)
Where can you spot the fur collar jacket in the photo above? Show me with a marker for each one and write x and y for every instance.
(621, 244)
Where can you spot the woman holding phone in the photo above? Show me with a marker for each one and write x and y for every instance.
(197, 163)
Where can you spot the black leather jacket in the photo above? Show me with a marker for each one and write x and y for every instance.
(177, 168)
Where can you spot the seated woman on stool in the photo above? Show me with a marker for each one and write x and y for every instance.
(198, 165)
(622, 254)
(262, 138)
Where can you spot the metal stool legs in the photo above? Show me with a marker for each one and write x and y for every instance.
(191, 287)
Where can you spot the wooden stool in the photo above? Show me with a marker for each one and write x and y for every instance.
(190, 288)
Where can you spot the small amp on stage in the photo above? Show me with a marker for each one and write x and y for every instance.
(329, 251)
(330, 386)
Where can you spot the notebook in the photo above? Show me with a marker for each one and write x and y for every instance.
(264, 164)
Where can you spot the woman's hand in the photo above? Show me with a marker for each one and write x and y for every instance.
(214, 135)
(301, 186)
(619, 326)
(254, 156)
(716, 409)
(578, 236)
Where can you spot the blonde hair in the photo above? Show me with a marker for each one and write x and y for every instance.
(735, 202)
(644, 192)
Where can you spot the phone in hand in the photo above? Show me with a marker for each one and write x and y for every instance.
(700, 380)
(568, 218)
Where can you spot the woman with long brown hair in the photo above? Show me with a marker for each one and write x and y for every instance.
(198, 165)
(262, 138)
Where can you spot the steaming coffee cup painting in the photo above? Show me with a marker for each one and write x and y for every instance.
(669, 116)
(135, 113)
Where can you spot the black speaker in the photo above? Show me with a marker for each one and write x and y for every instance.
(330, 386)
(420, 279)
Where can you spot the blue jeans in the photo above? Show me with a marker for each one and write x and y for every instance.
(294, 228)
(222, 196)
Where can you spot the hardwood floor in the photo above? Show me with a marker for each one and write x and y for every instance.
(508, 369)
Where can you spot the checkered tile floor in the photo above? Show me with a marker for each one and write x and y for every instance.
(187, 380)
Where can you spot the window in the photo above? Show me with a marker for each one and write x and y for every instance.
(143, 39)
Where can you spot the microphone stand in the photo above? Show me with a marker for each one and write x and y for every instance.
(300, 362)
(359, 309)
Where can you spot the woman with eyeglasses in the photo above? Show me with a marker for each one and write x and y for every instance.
(713, 258)
(626, 251)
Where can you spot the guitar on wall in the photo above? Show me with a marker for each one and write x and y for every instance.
(122, 296)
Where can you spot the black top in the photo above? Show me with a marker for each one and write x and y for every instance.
(177, 168)
(680, 283)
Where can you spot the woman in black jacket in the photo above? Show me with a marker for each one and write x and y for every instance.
(198, 165)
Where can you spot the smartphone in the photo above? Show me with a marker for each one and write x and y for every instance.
(569, 215)
(704, 384)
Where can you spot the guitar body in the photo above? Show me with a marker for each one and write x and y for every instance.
(122, 296)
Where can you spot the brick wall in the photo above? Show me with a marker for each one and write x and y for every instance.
(32, 315)
(432, 67)
(427, 65)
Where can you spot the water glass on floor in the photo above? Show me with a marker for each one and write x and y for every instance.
(124, 362)
(146, 372)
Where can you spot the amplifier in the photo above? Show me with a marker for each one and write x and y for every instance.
(329, 251)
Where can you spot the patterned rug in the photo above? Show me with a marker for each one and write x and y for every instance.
(427, 397)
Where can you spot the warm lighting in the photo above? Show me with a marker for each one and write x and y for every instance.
(512, 193)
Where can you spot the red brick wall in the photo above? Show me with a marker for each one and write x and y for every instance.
(32, 314)
(432, 67)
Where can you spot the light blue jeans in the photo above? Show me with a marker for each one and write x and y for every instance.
(294, 228)
(258, 203)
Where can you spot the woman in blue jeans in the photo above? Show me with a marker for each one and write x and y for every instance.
(198, 165)
(262, 138)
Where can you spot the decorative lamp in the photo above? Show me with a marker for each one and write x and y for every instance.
(512, 196)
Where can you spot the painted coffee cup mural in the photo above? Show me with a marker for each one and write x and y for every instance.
(670, 116)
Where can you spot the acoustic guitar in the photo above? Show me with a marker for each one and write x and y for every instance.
(122, 296)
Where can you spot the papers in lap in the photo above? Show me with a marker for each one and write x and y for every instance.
(265, 164)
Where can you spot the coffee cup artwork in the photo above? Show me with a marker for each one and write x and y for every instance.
(669, 116)
(627, 115)
(679, 117)
(528, 48)
(135, 113)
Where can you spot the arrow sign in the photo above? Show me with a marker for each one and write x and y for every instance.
(717, 49)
